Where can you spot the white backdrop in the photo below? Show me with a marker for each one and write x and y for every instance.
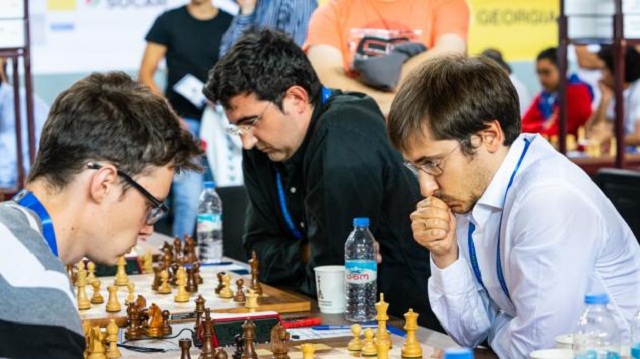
(77, 36)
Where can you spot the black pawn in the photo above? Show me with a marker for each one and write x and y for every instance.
(239, 342)
(191, 286)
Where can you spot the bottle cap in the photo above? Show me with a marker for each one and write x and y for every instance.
(361, 222)
(598, 298)
(459, 353)
(209, 184)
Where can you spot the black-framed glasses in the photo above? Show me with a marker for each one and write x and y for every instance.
(430, 167)
(247, 125)
(159, 209)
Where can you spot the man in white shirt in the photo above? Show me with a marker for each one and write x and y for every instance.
(517, 233)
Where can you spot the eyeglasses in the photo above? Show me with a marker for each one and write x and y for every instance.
(247, 125)
(159, 209)
(430, 167)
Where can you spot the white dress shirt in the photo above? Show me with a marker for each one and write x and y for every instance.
(560, 239)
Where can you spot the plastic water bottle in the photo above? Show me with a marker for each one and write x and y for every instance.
(361, 273)
(597, 335)
(635, 336)
(458, 353)
(209, 225)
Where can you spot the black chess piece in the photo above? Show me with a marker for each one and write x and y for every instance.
(185, 344)
(239, 342)
(166, 327)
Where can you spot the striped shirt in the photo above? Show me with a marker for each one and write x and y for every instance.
(288, 16)
(38, 315)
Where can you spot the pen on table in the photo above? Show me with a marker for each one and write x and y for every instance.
(390, 329)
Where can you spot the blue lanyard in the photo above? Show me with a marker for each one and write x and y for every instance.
(28, 200)
(325, 96)
(283, 207)
(472, 227)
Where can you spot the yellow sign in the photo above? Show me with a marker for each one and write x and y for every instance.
(520, 29)
(61, 5)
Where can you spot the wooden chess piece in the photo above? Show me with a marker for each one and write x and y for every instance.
(177, 249)
(383, 349)
(97, 298)
(191, 286)
(154, 329)
(252, 301)
(240, 297)
(141, 302)
(121, 275)
(133, 322)
(83, 301)
(156, 278)
(248, 336)
(131, 297)
(190, 247)
(91, 272)
(182, 296)
(307, 350)
(207, 346)
(356, 343)
(199, 313)
(173, 277)
(147, 262)
(112, 340)
(185, 345)
(166, 327)
(112, 303)
(239, 343)
(164, 288)
(278, 345)
(96, 348)
(254, 263)
(86, 329)
(226, 291)
(221, 354)
(73, 275)
(220, 284)
(411, 348)
(196, 273)
(382, 318)
(369, 349)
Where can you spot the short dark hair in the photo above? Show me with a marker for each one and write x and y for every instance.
(631, 62)
(454, 97)
(111, 117)
(265, 63)
(496, 56)
(550, 54)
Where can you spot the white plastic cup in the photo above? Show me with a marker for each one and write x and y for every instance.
(330, 287)
(552, 354)
(564, 341)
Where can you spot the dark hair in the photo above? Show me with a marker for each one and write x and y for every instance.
(550, 54)
(631, 62)
(110, 117)
(496, 56)
(454, 97)
(265, 63)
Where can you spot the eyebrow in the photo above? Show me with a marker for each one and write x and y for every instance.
(245, 119)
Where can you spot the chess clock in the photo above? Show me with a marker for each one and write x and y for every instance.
(228, 327)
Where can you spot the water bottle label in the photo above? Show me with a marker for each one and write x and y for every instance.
(209, 222)
(361, 271)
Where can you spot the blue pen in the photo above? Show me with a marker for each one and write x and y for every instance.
(390, 329)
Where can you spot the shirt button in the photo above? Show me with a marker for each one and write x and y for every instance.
(301, 224)
(293, 190)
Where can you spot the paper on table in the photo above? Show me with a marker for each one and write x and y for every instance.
(310, 334)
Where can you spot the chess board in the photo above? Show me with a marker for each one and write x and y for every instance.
(272, 299)
(324, 348)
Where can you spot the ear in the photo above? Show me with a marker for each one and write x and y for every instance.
(300, 97)
(492, 136)
(103, 183)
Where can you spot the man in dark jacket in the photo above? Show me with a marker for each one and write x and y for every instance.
(314, 159)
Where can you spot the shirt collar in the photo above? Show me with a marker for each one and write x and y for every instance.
(493, 197)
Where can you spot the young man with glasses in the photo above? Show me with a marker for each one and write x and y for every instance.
(314, 159)
(518, 234)
(107, 154)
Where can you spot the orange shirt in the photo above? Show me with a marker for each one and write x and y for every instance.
(342, 23)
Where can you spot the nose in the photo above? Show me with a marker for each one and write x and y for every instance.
(146, 230)
(428, 184)
(248, 141)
